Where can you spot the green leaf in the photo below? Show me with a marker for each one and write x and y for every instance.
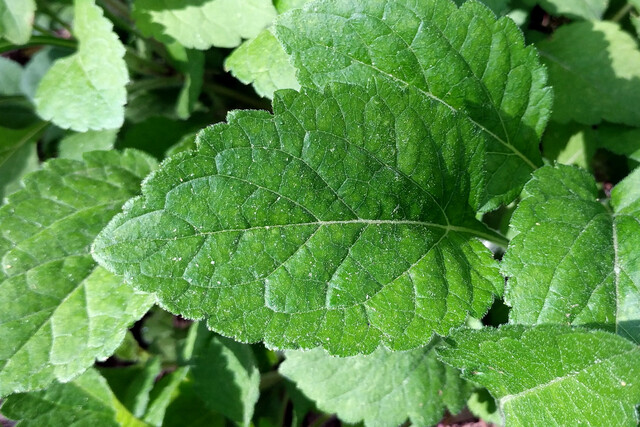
(575, 9)
(225, 376)
(132, 384)
(37, 68)
(572, 259)
(552, 375)
(11, 73)
(483, 406)
(263, 63)
(86, 401)
(87, 89)
(73, 146)
(315, 227)
(59, 311)
(205, 23)
(284, 5)
(464, 59)
(16, 17)
(18, 156)
(381, 389)
(600, 80)
(191, 63)
(499, 7)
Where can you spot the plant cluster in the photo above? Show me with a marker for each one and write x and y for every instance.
(404, 210)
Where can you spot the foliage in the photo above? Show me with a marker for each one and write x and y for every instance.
(389, 210)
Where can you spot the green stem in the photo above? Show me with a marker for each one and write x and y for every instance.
(155, 83)
(269, 379)
(143, 65)
(622, 12)
(38, 41)
(220, 90)
(44, 30)
(117, 7)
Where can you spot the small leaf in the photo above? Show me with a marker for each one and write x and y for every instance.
(552, 375)
(132, 384)
(87, 89)
(86, 401)
(73, 146)
(571, 259)
(263, 63)
(342, 221)
(575, 9)
(600, 80)
(16, 18)
(381, 389)
(18, 156)
(11, 73)
(59, 311)
(464, 59)
(206, 23)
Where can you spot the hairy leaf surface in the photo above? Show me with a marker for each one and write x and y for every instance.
(600, 80)
(343, 221)
(572, 259)
(59, 311)
(16, 20)
(87, 89)
(205, 23)
(382, 389)
(552, 375)
(463, 58)
(86, 401)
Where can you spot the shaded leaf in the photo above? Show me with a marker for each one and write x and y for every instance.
(59, 311)
(382, 389)
(18, 156)
(16, 19)
(74, 146)
(552, 375)
(132, 384)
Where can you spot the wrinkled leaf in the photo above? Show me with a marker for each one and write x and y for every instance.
(381, 389)
(552, 375)
(572, 259)
(205, 23)
(464, 59)
(317, 228)
(59, 311)
(87, 89)
(598, 81)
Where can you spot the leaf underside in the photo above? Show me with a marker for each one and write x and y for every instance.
(314, 227)
(381, 389)
(573, 260)
(59, 311)
(552, 375)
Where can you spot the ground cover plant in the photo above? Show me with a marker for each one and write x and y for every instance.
(317, 213)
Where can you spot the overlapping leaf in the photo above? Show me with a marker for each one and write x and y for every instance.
(552, 375)
(87, 401)
(381, 389)
(18, 155)
(343, 221)
(204, 23)
(576, 9)
(87, 89)
(59, 311)
(463, 58)
(574, 260)
(600, 80)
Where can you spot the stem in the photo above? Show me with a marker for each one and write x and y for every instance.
(116, 6)
(321, 420)
(39, 41)
(155, 83)
(43, 30)
(144, 65)
(230, 93)
(622, 12)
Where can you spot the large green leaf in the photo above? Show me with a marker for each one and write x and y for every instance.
(463, 58)
(598, 81)
(382, 389)
(87, 89)
(262, 62)
(572, 259)
(203, 23)
(16, 19)
(552, 375)
(59, 311)
(86, 401)
(343, 221)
